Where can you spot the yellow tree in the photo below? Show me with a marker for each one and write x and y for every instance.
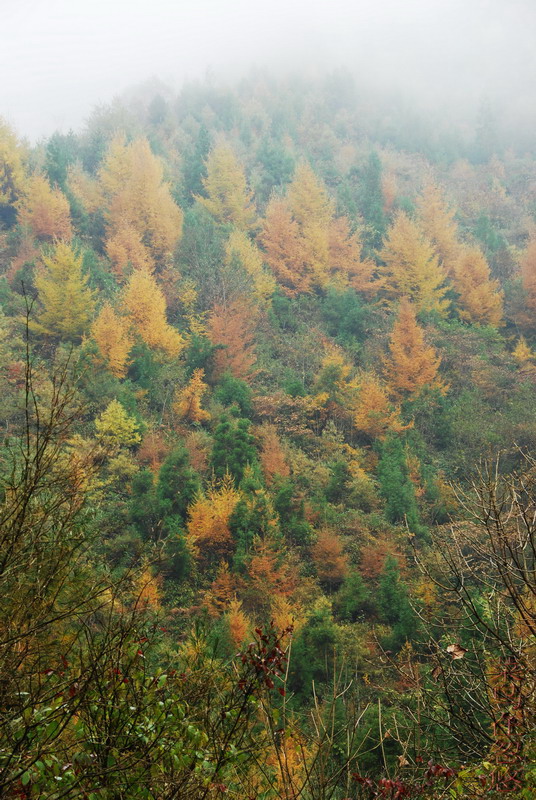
(411, 267)
(412, 363)
(313, 210)
(67, 301)
(240, 246)
(146, 306)
(125, 249)
(373, 412)
(480, 298)
(45, 211)
(345, 262)
(284, 249)
(306, 246)
(209, 517)
(528, 272)
(187, 404)
(114, 339)
(11, 169)
(116, 428)
(436, 220)
(140, 210)
(228, 197)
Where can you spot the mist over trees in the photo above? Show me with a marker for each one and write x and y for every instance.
(267, 526)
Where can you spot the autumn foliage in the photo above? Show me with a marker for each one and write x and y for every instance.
(114, 338)
(45, 211)
(411, 363)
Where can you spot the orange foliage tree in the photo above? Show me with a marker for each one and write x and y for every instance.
(272, 456)
(231, 328)
(412, 363)
(45, 211)
(306, 246)
(237, 622)
(209, 515)
(480, 298)
(411, 267)
(228, 197)
(144, 223)
(373, 412)
(329, 559)
(113, 336)
(187, 404)
(145, 304)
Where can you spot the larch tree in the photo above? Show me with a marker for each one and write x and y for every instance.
(345, 261)
(411, 363)
(231, 329)
(143, 220)
(411, 267)
(240, 246)
(145, 304)
(209, 517)
(307, 247)
(116, 428)
(284, 249)
(436, 220)
(228, 198)
(187, 403)
(313, 210)
(528, 272)
(113, 336)
(480, 297)
(373, 413)
(66, 299)
(45, 211)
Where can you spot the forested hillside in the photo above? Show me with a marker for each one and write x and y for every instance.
(267, 388)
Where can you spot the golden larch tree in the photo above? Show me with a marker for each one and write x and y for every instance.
(240, 246)
(187, 404)
(272, 456)
(145, 304)
(522, 352)
(373, 413)
(115, 428)
(228, 197)
(480, 297)
(125, 249)
(284, 249)
(313, 210)
(113, 336)
(528, 272)
(45, 211)
(237, 622)
(329, 559)
(411, 363)
(436, 220)
(307, 247)
(411, 267)
(138, 201)
(231, 329)
(209, 516)
(67, 301)
(84, 188)
(345, 262)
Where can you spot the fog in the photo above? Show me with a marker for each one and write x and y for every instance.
(59, 58)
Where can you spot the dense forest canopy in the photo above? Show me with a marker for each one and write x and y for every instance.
(267, 399)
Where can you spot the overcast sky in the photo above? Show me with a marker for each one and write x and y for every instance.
(59, 58)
